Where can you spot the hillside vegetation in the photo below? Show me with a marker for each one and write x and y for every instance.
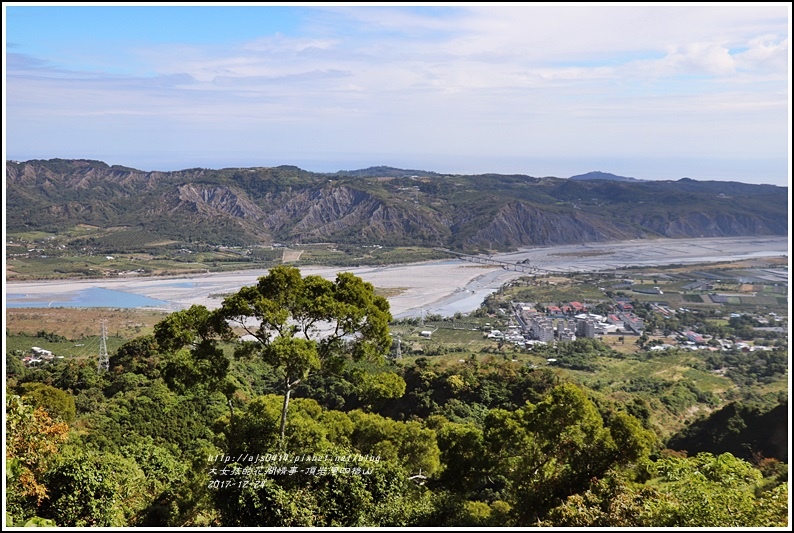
(377, 206)
(210, 418)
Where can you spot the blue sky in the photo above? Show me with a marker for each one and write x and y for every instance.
(653, 91)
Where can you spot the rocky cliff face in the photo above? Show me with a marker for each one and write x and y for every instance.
(218, 201)
(343, 214)
(287, 204)
(712, 224)
(520, 224)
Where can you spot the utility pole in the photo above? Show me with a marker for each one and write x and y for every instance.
(104, 360)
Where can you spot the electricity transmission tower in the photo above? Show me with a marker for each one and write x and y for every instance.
(104, 361)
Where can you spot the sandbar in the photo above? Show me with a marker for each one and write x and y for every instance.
(434, 287)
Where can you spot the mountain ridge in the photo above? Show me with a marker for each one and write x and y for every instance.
(598, 175)
(381, 205)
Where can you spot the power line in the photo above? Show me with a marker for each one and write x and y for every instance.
(104, 360)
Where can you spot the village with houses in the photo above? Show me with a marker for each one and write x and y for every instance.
(694, 310)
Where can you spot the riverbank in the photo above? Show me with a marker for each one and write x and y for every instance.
(436, 287)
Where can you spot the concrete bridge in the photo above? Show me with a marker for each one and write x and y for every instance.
(521, 266)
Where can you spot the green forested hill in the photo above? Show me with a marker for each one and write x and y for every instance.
(741, 430)
(247, 416)
(145, 450)
(380, 205)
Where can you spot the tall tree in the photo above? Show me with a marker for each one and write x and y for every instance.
(300, 325)
(190, 338)
(33, 440)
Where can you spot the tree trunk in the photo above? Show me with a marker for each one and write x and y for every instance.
(287, 392)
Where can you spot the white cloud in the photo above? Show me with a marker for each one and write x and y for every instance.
(699, 58)
(766, 53)
(492, 80)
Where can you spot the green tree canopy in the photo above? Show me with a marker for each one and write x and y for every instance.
(300, 325)
(189, 339)
(58, 403)
(703, 491)
(33, 441)
(375, 389)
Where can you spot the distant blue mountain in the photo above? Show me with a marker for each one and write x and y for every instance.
(601, 176)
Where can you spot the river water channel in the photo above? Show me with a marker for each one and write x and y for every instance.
(435, 287)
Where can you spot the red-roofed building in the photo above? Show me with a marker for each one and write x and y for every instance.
(694, 337)
(553, 310)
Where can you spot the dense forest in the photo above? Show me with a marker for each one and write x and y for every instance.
(283, 408)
